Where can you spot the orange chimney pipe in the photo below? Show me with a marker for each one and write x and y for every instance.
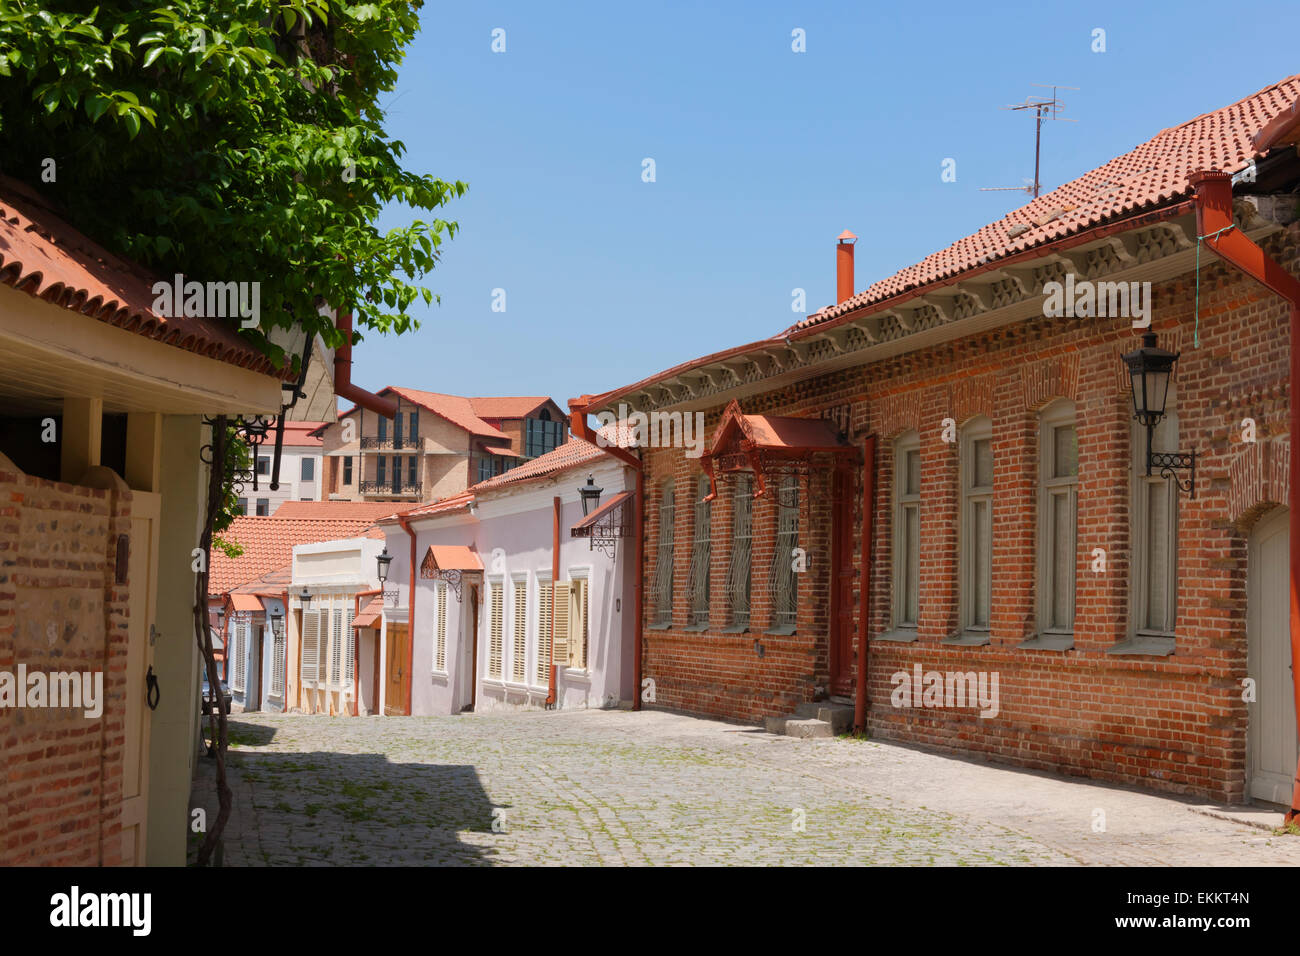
(844, 266)
(1214, 222)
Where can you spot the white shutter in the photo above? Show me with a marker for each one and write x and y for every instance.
(349, 645)
(519, 646)
(310, 644)
(544, 592)
(336, 646)
(561, 636)
(440, 637)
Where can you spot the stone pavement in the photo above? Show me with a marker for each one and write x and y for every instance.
(653, 788)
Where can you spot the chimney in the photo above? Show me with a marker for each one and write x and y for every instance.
(844, 266)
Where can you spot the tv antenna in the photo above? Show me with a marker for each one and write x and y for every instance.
(1044, 108)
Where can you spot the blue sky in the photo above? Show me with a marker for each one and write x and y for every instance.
(762, 157)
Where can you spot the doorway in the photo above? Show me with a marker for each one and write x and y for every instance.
(142, 573)
(469, 645)
(398, 678)
(1272, 748)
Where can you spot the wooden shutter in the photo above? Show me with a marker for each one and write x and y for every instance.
(310, 643)
(561, 636)
(518, 666)
(494, 631)
(349, 645)
(578, 624)
(544, 592)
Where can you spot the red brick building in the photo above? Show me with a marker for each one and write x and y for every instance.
(975, 461)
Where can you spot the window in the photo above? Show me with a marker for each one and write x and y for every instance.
(784, 579)
(243, 506)
(701, 555)
(486, 467)
(263, 506)
(543, 630)
(308, 469)
(336, 645)
(563, 607)
(577, 643)
(542, 435)
(738, 583)
(663, 579)
(412, 470)
(397, 430)
(277, 656)
(496, 608)
(907, 532)
(383, 429)
(1155, 532)
(238, 654)
(412, 428)
(381, 466)
(976, 528)
(263, 465)
(310, 645)
(1058, 457)
(519, 644)
(349, 642)
(347, 470)
(440, 630)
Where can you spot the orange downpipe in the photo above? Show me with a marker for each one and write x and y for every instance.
(578, 425)
(343, 386)
(1214, 213)
(410, 616)
(551, 689)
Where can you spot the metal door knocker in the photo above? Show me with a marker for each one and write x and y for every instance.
(151, 694)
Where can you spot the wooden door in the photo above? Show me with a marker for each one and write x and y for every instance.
(142, 577)
(473, 646)
(842, 631)
(398, 678)
(1272, 737)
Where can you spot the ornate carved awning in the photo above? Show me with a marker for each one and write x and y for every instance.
(449, 562)
(770, 445)
(604, 526)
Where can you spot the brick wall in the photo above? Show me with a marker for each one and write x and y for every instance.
(1176, 723)
(60, 610)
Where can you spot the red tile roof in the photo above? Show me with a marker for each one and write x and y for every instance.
(443, 506)
(453, 557)
(299, 434)
(268, 544)
(509, 406)
(335, 510)
(1153, 174)
(572, 453)
(369, 616)
(42, 255)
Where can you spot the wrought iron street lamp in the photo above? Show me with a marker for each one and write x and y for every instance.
(590, 495)
(1150, 368)
(383, 561)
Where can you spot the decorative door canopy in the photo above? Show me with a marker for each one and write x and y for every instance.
(770, 445)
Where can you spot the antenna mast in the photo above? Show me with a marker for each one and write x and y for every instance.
(1044, 108)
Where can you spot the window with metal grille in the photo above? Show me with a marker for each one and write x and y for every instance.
(336, 645)
(544, 595)
(663, 579)
(1155, 531)
(440, 630)
(784, 581)
(310, 644)
(907, 531)
(495, 625)
(277, 656)
(1058, 482)
(701, 555)
(977, 525)
(738, 568)
(519, 644)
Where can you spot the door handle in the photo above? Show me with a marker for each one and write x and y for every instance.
(151, 694)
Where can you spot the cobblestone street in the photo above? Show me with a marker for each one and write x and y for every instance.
(615, 788)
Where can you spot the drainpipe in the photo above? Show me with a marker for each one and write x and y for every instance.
(284, 691)
(551, 690)
(356, 654)
(1214, 213)
(864, 594)
(343, 386)
(578, 424)
(410, 616)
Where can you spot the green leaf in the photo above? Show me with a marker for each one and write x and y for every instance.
(152, 55)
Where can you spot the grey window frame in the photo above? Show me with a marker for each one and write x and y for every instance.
(740, 564)
(905, 564)
(979, 428)
(700, 583)
(663, 578)
(1058, 414)
(783, 580)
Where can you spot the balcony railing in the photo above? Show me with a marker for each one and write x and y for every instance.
(403, 489)
(390, 444)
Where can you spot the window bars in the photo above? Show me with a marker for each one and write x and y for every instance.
(663, 580)
(701, 555)
(783, 582)
(738, 576)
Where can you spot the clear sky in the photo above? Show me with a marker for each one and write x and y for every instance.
(762, 157)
